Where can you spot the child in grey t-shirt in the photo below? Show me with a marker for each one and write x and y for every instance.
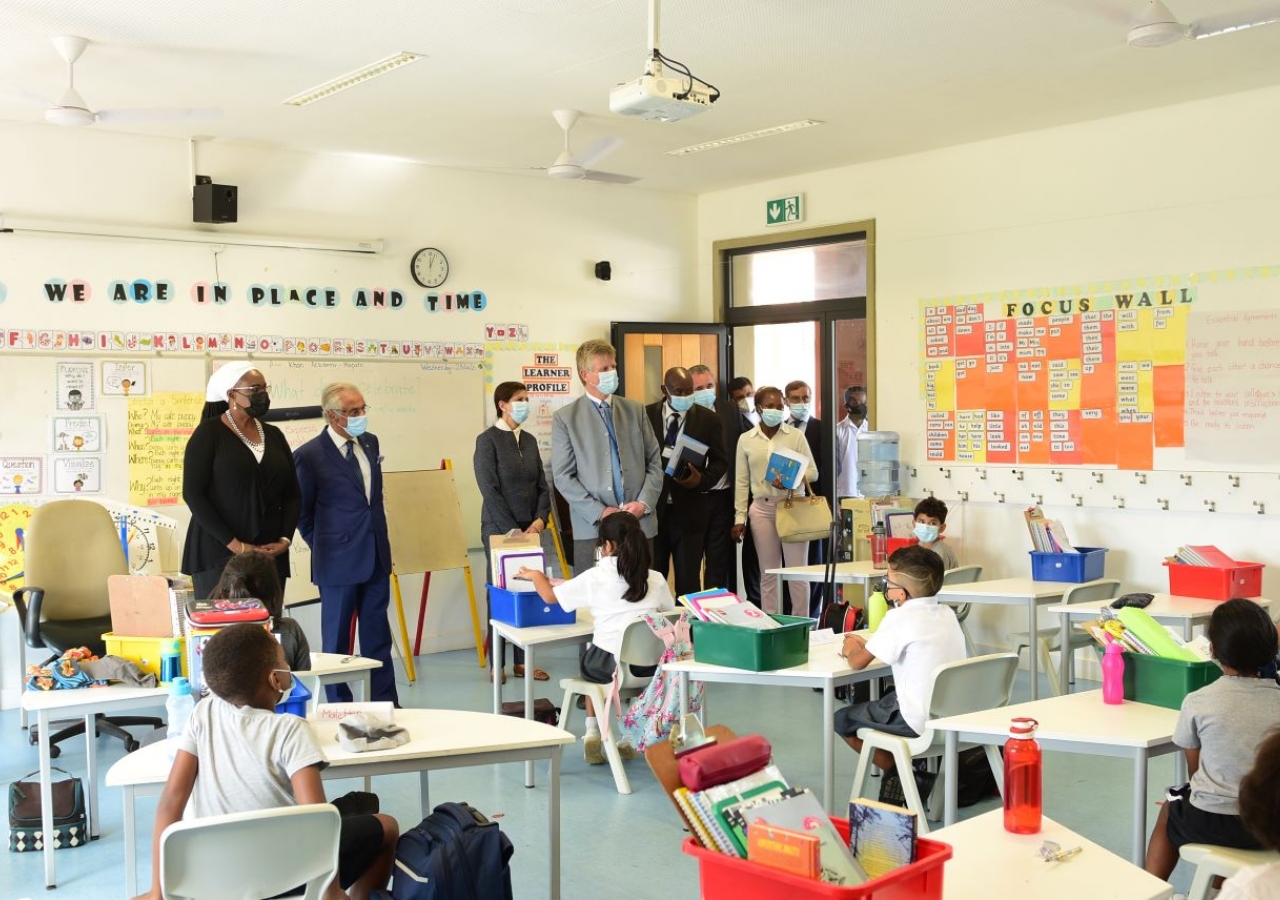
(1220, 729)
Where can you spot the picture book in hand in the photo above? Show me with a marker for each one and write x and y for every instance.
(882, 837)
(788, 465)
(802, 812)
(797, 852)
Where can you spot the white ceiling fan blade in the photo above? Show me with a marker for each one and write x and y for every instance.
(157, 115)
(598, 151)
(610, 178)
(25, 94)
(1213, 26)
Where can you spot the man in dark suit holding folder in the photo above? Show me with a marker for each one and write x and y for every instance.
(684, 507)
(345, 524)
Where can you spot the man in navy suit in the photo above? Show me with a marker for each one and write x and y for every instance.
(345, 525)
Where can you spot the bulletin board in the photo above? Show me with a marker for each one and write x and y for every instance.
(547, 368)
(1117, 374)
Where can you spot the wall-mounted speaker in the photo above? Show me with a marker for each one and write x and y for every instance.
(213, 203)
(604, 271)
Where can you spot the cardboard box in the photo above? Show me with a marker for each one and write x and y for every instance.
(146, 606)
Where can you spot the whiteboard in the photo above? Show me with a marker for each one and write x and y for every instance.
(421, 413)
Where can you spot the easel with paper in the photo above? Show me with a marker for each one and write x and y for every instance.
(424, 522)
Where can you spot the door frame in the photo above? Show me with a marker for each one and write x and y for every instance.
(724, 346)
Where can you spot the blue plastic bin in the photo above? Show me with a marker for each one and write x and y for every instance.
(296, 703)
(525, 609)
(1087, 565)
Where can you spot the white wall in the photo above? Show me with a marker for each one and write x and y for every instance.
(530, 243)
(1189, 188)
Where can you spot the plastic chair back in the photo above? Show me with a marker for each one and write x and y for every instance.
(972, 685)
(1108, 589)
(640, 647)
(251, 856)
(962, 575)
(73, 546)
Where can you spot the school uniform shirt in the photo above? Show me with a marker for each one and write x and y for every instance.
(754, 450)
(600, 590)
(1253, 883)
(1226, 721)
(247, 756)
(915, 639)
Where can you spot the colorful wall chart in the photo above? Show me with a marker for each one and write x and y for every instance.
(1064, 376)
(159, 426)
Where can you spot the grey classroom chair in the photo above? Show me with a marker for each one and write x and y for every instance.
(1049, 639)
(963, 575)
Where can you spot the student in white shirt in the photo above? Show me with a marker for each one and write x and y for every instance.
(847, 431)
(1259, 802)
(915, 637)
(754, 449)
(620, 588)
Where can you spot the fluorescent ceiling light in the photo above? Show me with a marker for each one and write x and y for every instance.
(742, 138)
(351, 79)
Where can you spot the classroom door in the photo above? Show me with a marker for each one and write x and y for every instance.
(647, 349)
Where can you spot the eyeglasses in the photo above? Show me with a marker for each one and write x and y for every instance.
(354, 411)
(894, 586)
(252, 390)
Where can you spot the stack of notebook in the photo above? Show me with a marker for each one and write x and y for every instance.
(723, 608)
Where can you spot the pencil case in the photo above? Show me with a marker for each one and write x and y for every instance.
(729, 761)
(226, 612)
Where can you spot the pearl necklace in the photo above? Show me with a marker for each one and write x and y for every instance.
(255, 446)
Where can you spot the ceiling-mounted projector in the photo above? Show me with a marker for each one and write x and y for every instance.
(661, 98)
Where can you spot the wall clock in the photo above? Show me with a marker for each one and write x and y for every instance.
(429, 267)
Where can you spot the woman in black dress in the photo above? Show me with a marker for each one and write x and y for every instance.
(238, 479)
(513, 486)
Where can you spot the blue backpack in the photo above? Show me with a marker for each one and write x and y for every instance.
(456, 853)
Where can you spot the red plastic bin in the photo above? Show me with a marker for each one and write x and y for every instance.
(894, 544)
(1211, 583)
(725, 877)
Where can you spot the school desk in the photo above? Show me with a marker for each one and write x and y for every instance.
(826, 669)
(1012, 592)
(991, 862)
(439, 739)
(55, 706)
(338, 668)
(528, 640)
(1075, 723)
(846, 573)
(1167, 609)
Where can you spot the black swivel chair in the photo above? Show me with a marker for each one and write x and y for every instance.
(72, 547)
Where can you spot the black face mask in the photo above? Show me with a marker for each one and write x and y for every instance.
(259, 403)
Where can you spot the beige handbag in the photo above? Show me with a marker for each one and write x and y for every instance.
(802, 519)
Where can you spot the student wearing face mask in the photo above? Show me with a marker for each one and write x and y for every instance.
(684, 506)
(238, 479)
(604, 456)
(513, 487)
(754, 449)
(931, 522)
(344, 522)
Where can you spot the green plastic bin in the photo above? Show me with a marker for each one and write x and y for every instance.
(1164, 682)
(749, 648)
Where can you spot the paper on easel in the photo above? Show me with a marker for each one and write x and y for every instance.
(333, 712)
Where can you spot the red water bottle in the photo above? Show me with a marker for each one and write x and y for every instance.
(1023, 771)
(879, 547)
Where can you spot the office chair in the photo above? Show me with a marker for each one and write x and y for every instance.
(72, 547)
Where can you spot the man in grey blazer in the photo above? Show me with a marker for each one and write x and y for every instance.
(604, 455)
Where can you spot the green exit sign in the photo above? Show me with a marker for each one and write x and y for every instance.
(784, 210)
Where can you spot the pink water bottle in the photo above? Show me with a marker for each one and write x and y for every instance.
(1113, 673)
(1023, 777)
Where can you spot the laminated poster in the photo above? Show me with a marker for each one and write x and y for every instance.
(76, 434)
(75, 386)
(21, 475)
(77, 474)
(124, 379)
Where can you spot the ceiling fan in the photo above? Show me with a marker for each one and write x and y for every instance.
(1155, 25)
(71, 110)
(568, 166)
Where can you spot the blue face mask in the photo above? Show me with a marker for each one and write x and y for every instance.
(680, 404)
(926, 534)
(608, 382)
(772, 417)
(705, 398)
(799, 411)
(357, 425)
(519, 411)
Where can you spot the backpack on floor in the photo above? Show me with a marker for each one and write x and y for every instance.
(456, 853)
(649, 717)
(543, 710)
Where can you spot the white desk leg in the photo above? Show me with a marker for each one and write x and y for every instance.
(1031, 651)
(1139, 807)
(684, 694)
(528, 704)
(829, 745)
(1064, 653)
(1186, 629)
(495, 652)
(553, 820)
(950, 777)
(365, 684)
(782, 587)
(1180, 768)
(424, 789)
(46, 809)
(130, 846)
(91, 772)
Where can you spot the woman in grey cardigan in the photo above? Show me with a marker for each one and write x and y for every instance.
(513, 487)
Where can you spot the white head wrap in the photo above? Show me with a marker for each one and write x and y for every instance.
(225, 379)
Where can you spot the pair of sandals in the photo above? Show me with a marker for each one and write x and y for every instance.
(519, 670)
